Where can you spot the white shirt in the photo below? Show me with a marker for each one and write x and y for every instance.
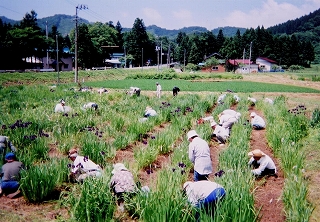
(158, 88)
(199, 190)
(89, 105)
(86, 164)
(221, 131)
(227, 120)
(133, 90)
(232, 113)
(257, 120)
(59, 108)
(221, 98)
(199, 155)
(151, 112)
(265, 163)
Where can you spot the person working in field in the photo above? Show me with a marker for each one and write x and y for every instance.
(257, 122)
(199, 155)
(175, 91)
(4, 144)
(149, 112)
(158, 90)
(90, 105)
(204, 195)
(10, 176)
(122, 183)
(61, 107)
(262, 164)
(219, 132)
(82, 167)
(227, 120)
(134, 91)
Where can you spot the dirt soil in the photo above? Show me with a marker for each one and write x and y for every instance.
(267, 191)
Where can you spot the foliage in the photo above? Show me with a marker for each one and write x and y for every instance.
(90, 201)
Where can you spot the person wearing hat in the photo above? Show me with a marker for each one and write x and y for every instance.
(90, 105)
(4, 144)
(122, 182)
(204, 194)
(231, 112)
(257, 122)
(221, 133)
(61, 107)
(175, 91)
(10, 176)
(158, 92)
(82, 167)
(134, 90)
(149, 112)
(227, 120)
(221, 98)
(261, 163)
(199, 155)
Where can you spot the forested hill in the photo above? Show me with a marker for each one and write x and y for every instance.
(303, 24)
(65, 23)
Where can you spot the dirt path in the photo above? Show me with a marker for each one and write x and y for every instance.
(267, 191)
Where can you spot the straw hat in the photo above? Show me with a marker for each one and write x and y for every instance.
(256, 153)
(118, 167)
(191, 134)
(148, 108)
(253, 114)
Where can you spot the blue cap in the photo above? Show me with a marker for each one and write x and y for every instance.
(10, 156)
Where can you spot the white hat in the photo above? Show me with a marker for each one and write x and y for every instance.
(191, 134)
(256, 153)
(253, 114)
(213, 123)
(148, 108)
(187, 184)
(118, 167)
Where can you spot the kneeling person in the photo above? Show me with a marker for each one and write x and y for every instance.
(262, 164)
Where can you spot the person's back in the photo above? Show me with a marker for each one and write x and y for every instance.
(11, 171)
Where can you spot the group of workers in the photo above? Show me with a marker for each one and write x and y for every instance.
(201, 193)
(137, 91)
(62, 108)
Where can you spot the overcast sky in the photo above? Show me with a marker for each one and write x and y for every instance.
(169, 14)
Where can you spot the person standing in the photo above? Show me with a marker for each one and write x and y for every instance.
(82, 167)
(10, 176)
(257, 122)
(175, 91)
(158, 92)
(199, 155)
(262, 164)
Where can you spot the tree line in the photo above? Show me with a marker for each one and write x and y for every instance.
(97, 41)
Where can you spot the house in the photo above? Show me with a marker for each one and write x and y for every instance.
(114, 61)
(265, 64)
(217, 68)
(242, 66)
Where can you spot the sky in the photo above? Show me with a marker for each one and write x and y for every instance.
(168, 14)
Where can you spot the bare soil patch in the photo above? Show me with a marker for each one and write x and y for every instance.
(268, 190)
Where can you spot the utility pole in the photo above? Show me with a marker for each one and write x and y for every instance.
(125, 57)
(161, 55)
(57, 57)
(250, 58)
(79, 7)
(184, 60)
(47, 66)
